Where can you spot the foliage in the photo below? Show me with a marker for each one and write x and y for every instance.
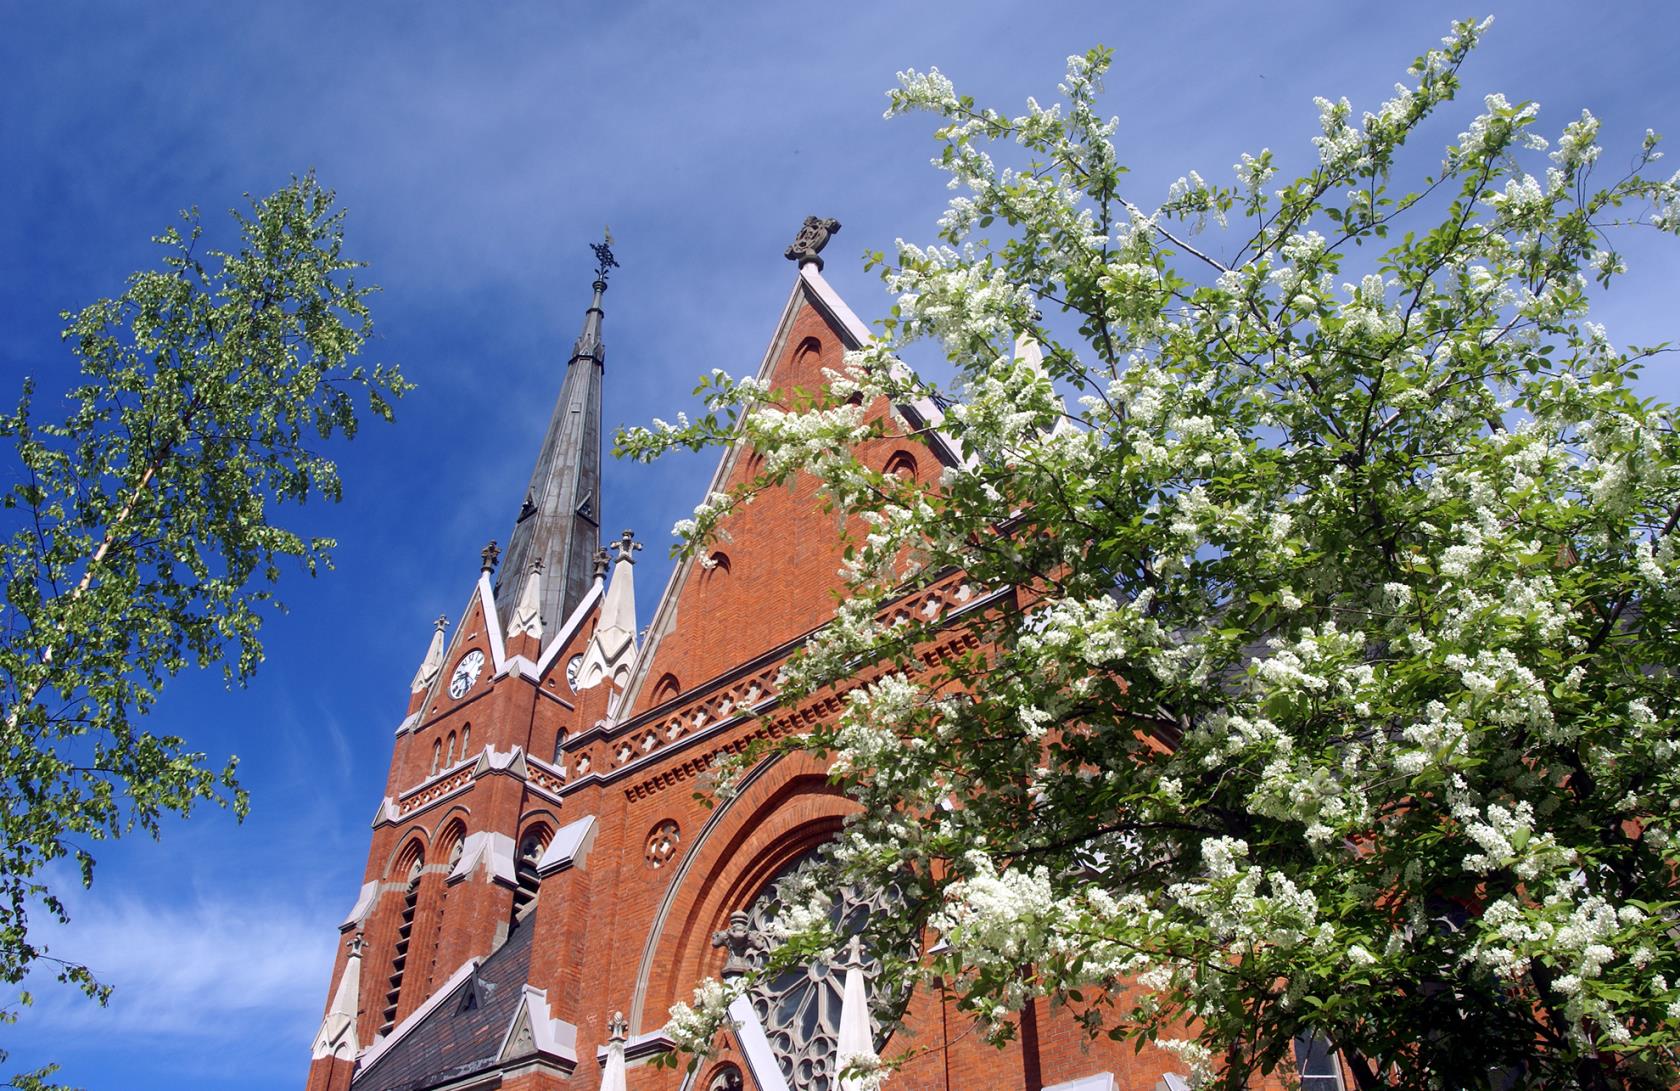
(1333, 691)
(142, 536)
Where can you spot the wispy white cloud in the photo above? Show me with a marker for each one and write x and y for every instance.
(221, 969)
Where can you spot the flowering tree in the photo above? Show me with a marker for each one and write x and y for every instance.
(1337, 695)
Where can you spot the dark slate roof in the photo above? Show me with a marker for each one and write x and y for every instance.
(451, 1043)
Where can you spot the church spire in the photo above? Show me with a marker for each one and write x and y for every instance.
(559, 520)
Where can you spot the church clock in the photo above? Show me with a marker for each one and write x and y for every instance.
(466, 673)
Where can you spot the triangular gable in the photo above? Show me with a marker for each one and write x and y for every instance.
(780, 568)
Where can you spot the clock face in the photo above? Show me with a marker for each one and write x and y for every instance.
(572, 666)
(466, 673)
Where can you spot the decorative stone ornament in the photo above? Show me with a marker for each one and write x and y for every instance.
(740, 939)
(433, 663)
(813, 236)
(489, 555)
(662, 844)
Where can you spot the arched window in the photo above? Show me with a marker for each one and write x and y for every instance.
(454, 837)
(437, 755)
(525, 861)
(466, 740)
(405, 933)
(560, 746)
(902, 465)
(666, 689)
(450, 760)
(808, 352)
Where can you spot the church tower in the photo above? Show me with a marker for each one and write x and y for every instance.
(543, 882)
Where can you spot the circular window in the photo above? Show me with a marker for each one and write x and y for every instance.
(662, 844)
(800, 1006)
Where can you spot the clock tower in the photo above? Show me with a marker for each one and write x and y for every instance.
(462, 840)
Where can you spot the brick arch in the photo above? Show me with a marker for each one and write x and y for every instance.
(786, 809)
(460, 812)
(415, 838)
(902, 463)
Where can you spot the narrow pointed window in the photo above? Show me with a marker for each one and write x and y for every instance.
(466, 740)
(450, 759)
(437, 755)
(399, 955)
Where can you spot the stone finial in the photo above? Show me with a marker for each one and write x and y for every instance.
(626, 545)
(603, 561)
(618, 1028)
(433, 663)
(357, 944)
(813, 236)
(490, 555)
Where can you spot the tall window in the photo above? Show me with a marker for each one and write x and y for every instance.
(437, 755)
(466, 740)
(450, 758)
(399, 956)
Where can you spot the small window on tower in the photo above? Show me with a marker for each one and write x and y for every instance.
(466, 739)
(450, 757)
(437, 755)
(666, 689)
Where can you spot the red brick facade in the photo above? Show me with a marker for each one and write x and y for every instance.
(624, 921)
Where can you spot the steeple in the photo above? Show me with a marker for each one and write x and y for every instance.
(559, 520)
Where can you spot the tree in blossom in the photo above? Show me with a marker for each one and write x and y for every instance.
(1336, 693)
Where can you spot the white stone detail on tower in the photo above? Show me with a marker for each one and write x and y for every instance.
(612, 1075)
(612, 648)
(338, 1030)
(433, 663)
(527, 616)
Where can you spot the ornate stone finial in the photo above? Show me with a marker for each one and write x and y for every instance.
(739, 940)
(813, 236)
(618, 1029)
(490, 555)
(441, 623)
(536, 564)
(854, 952)
(604, 259)
(626, 545)
(356, 945)
(603, 561)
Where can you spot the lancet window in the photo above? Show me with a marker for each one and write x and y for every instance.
(399, 955)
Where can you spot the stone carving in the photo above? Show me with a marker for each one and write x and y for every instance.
(490, 555)
(813, 236)
(742, 943)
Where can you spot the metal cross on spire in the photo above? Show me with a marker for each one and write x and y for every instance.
(604, 259)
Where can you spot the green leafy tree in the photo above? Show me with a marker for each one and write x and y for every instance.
(1336, 694)
(142, 531)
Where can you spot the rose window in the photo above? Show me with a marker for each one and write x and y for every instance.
(800, 1006)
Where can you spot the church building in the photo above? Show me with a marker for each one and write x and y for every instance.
(542, 883)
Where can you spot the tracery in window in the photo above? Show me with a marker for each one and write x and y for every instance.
(800, 1006)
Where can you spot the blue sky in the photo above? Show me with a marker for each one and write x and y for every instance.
(478, 148)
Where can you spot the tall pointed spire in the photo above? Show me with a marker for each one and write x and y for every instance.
(559, 521)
